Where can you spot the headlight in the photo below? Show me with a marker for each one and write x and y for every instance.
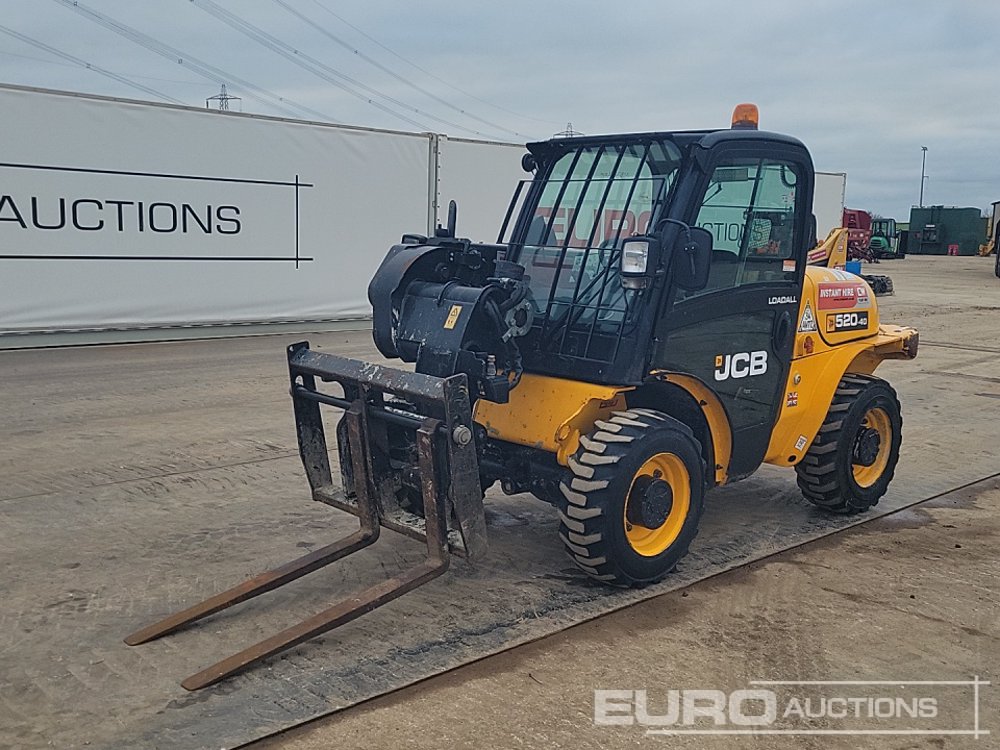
(635, 256)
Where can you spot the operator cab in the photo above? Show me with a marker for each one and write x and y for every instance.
(678, 252)
(617, 233)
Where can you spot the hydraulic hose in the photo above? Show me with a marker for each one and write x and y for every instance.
(513, 352)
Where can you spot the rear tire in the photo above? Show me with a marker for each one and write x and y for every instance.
(881, 285)
(632, 499)
(849, 465)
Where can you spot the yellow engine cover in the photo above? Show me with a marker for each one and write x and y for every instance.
(838, 331)
(841, 305)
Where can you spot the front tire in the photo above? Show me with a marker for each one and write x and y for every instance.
(633, 499)
(849, 465)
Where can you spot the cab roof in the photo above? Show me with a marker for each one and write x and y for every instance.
(682, 138)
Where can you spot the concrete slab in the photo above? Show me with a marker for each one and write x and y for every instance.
(909, 596)
(138, 479)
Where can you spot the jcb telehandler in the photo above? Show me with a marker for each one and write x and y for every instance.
(832, 253)
(647, 329)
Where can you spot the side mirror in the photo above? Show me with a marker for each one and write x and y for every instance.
(639, 261)
(693, 259)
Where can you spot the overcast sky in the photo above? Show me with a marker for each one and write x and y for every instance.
(863, 84)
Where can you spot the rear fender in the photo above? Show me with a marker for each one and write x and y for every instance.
(812, 383)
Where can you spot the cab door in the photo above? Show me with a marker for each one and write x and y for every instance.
(736, 335)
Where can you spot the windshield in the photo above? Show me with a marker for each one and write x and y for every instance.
(884, 227)
(594, 197)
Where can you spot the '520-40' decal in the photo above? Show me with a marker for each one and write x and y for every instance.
(848, 321)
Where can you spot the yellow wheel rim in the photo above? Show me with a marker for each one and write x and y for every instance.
(669, 468)
(876, 419)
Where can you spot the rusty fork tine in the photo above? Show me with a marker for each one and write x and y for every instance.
(343, 612)
(290, 571)
(437, 487)
(435, 512)
(256, 586)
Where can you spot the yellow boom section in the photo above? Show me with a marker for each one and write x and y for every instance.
(831, 252)
(549, 413)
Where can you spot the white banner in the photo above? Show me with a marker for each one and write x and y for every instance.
(480, 177)
(130, 215)
(119, 215)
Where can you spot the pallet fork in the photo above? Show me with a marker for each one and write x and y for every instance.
(380, 404)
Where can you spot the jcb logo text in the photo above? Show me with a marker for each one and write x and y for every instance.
(741, 365)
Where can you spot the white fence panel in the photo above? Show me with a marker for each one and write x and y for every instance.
(481, 178)
(828, 201)
(119, 215)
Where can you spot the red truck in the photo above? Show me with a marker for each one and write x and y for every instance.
(859, 234)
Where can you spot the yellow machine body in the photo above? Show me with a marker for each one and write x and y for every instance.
(831, 252)
(550, 413)
(838, 331)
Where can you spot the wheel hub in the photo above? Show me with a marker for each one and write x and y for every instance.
(866, 447)
(649, 502)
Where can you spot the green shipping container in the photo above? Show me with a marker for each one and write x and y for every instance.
(945, 230)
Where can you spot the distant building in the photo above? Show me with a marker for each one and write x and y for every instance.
(946, 230)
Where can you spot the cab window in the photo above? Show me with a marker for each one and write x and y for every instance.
(749, 209)
(595, 196)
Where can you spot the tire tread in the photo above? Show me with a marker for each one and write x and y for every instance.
(818, 472)
(583, 519)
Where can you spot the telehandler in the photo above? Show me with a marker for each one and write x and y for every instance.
(646, 329)
(832, 253)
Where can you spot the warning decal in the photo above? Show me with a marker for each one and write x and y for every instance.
(808, 322)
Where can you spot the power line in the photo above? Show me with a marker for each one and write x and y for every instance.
(333, 37)
(205, 70)
(409, 62)
(321, 69)
(182, 82)
(87, 65)
(39, 59)
(293, 55)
